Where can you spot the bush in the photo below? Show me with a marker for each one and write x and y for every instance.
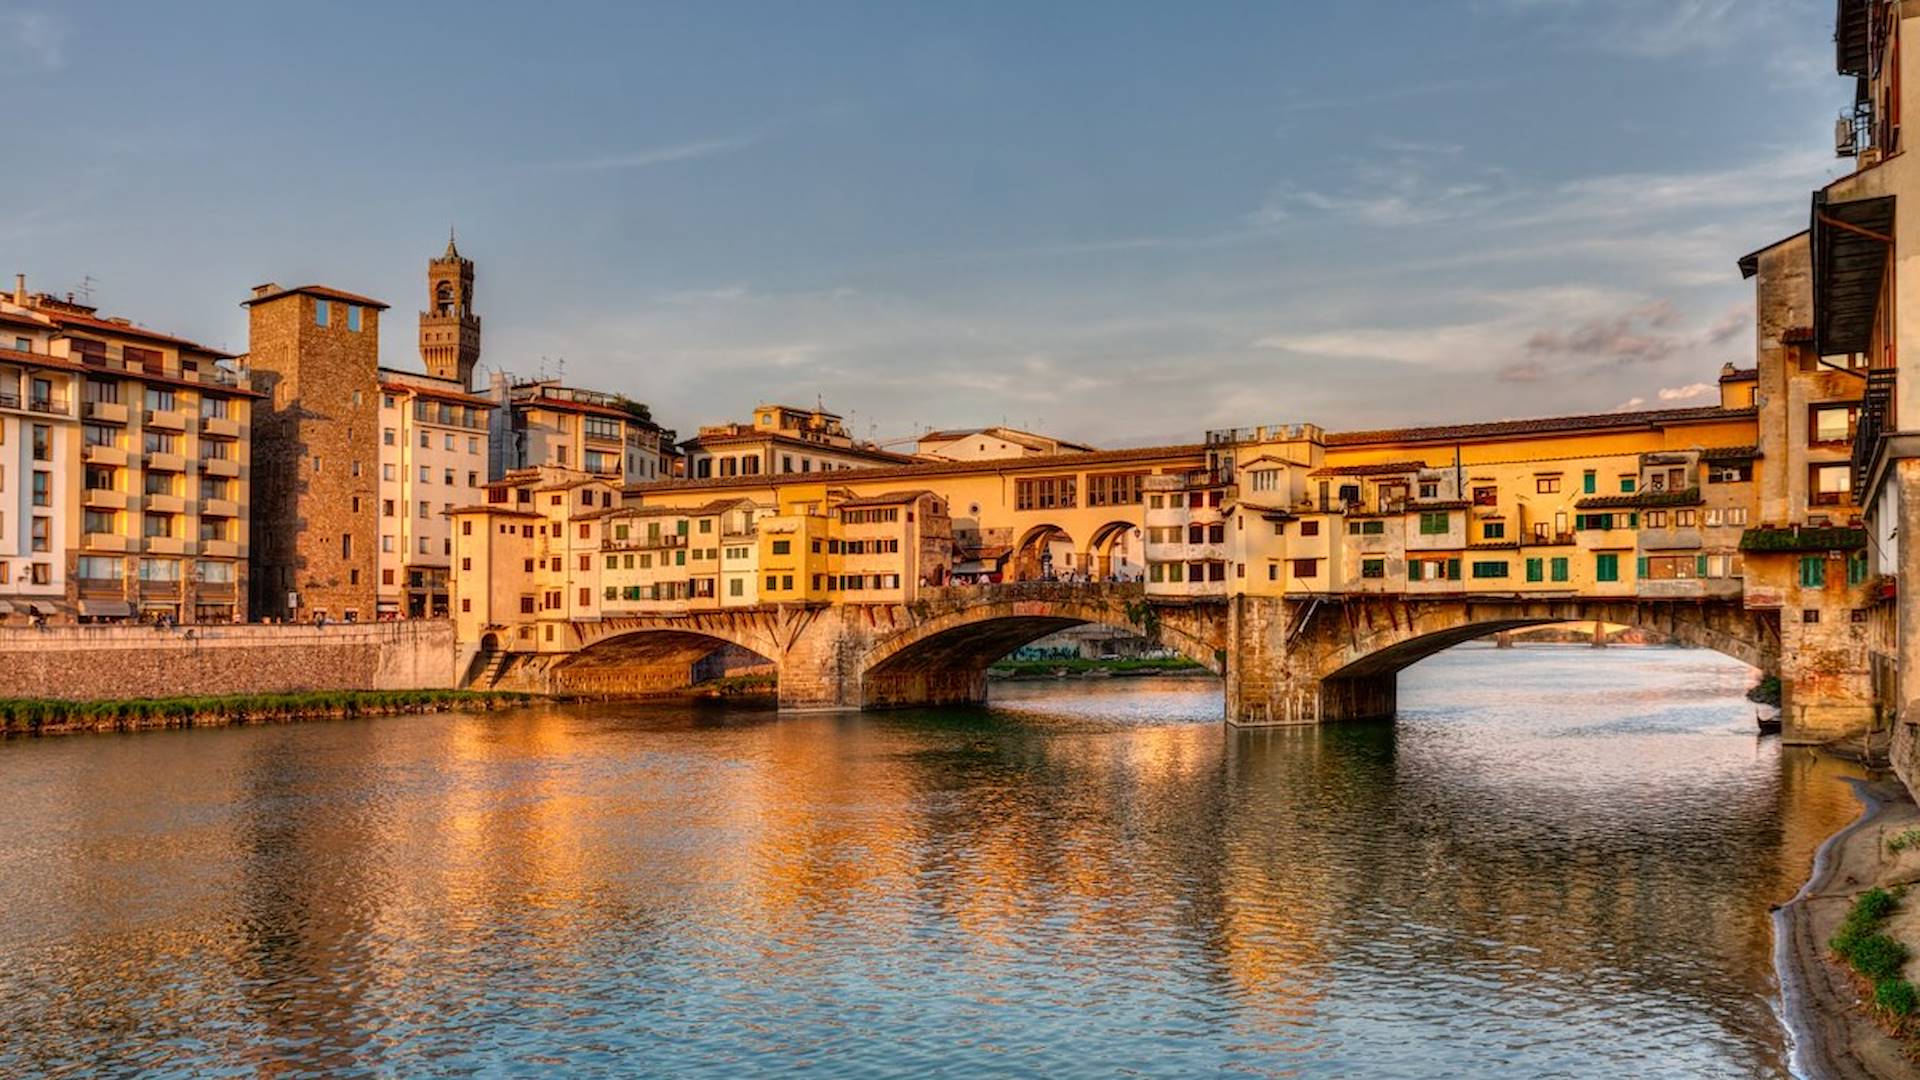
(1874, 904)
(1895, 996)
(1877, 956)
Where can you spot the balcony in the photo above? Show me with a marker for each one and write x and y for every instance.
(219, 427)
(162, 503)
(97, 454)
(105, 499)
(104, 412)
(54, 406)
(106, 542)
(168, 545)
(220, 549)
(219, 467)
(165, 419)
(165, 462)
(219, 508)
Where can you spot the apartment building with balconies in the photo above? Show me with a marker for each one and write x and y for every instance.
(540, 423)
(782, 440)
(434, 439)
(124, 469)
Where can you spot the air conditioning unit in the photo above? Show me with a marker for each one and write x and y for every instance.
(1843, 142)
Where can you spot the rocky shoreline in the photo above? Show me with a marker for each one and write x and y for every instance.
(1833, 1031)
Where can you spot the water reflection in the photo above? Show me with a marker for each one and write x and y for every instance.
(1558, 861)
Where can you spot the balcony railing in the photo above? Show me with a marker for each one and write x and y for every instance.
(54, 405)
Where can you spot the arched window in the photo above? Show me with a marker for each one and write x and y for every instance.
(443, 298)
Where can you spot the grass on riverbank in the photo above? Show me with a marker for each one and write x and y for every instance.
(1074, 665)
(30, 715)
(1875, 956)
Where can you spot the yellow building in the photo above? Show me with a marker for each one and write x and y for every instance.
(125, 462)
(781, 440)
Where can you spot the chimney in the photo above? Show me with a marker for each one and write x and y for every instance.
(20, 289)
(265, 289)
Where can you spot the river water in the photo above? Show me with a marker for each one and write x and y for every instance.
(1557, 862)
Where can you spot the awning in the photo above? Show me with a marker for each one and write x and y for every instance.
(1851, 243)
(106, 609)
(976, 568)
(34, 607)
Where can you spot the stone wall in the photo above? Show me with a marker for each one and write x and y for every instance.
(95, 662)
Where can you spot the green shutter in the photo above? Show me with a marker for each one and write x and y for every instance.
(1700, 566)
(1640, 567)
(1580, 521)
(1813, 572)
(1413, 570)
(1453, 569)
(1559, 568)
(1606, 567)
(1534, 569)
(1588, 482)
(1633, 520)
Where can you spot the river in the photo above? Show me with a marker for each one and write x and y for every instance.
(1557, 862)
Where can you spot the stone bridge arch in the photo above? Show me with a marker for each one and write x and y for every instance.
(1341, 661)
(656, 653)
(942, 656)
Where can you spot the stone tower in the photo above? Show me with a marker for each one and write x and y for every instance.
(449, 330)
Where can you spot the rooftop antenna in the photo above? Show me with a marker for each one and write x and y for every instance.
(562, 365)
(87, 282)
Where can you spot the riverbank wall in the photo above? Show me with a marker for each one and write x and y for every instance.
(94, 663)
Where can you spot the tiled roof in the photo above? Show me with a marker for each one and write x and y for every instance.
(61, 363)
(1546, 425)
(325, 292)
(1037, 463)
(1730, 453)
(109, 328)
(891, 498)
(1740, 375)
(1385, 468)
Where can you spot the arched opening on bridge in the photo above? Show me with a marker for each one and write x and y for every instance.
(1366, 687)
(1044, 553)
(951, 665)
(657, 661)
(1117, 552)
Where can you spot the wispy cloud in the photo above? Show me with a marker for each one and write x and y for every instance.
(33, 39)
(657, 155)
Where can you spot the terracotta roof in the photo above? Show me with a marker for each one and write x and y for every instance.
(891, 498)
(61, 363)
(438, 394)
(1797, 335)
(1385, 468)
(1034, 463)
(491, 508)
(1730, 453)
(783, 438)
(325, 292)
(109, 328)
(1740, 375)
(1546, 425)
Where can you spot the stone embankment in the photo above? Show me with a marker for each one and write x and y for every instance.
(95, 663)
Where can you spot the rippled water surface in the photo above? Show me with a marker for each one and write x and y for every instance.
(1558, 862)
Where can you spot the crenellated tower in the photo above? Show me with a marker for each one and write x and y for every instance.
(449, 330)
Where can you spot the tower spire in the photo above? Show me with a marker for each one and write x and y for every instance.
(452, 251)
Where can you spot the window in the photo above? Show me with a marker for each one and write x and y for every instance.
(1373, 568)
(1044, 493)
(1266, 480)
(101, 478)
(783, 547)
(1606, 566)
(159, 569)
(387, 438)
(1589, 482)
(99, 435)
(214, 573)
(1857, 568)
(1684, 519)
(346, 545)
(159, 399)
(42, 443)
(99, 568)
(1813, 572)
(353, 317)
(1810, 615)
(1546, 485)
(1302, 568)
(1119, 489)
(1493, 530)
(42, 489)
(1490, 569)
(1828, 485)
(1832, 423)
(322, 313)
(1371, 527)
(1656, 519)
(1486, 496)
(1433, 523)
(1536, 569)
(1627, 484)
(1730, 473)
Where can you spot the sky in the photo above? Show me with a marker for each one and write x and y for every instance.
(1118, 223)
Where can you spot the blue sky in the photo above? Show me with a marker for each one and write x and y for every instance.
(1120, 223)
